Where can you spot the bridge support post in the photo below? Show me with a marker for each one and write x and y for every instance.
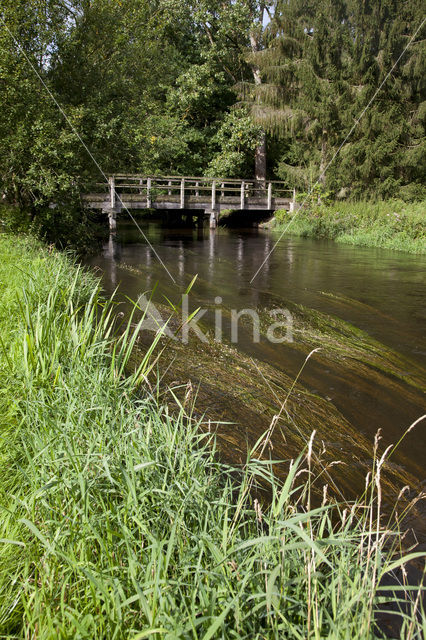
(269, 195)
(243, 186)
(213, 218)
(112, 220)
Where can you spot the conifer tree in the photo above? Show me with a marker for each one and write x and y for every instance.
(386, 153)
(321, 69)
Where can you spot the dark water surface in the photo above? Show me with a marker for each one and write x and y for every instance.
(381, 292)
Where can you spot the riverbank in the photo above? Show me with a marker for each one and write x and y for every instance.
(118, 520)
(392, 224)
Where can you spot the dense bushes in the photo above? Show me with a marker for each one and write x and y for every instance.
(65, 226)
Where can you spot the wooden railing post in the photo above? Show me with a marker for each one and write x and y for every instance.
(222, 193)
(148, 193)
(214, 195)
(243, 186)
(169, 184)
(182, 193)
(197, 191)
(111, 181)
(269, 195)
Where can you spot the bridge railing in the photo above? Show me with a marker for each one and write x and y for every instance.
(180, 189)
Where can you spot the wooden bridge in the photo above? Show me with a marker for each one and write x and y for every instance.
(205, 196)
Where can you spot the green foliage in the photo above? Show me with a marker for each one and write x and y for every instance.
(118, 521)
(237, 138)
(69, 226)
(391, 224)
(320, 73)
(317, 195)
(66, 225)
(131, 82)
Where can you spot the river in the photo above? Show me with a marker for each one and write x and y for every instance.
(378, 292)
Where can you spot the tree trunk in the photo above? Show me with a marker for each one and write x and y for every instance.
(260, 160)
(260, 151)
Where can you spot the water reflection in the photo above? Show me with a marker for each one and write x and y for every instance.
(389, 287)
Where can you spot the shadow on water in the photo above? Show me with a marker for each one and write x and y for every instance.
(364, 309)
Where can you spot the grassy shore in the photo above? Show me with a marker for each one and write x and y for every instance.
(391, 224)
(119, 522)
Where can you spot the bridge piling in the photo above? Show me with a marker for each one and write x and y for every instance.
(213, 218)
(112, 220)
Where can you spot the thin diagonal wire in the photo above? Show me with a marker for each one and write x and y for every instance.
(74, 130)
(322, 174)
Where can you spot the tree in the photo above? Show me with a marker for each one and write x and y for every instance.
(304, 69)
(386, 153)
(34, 148)
(234, 29)
(322, 69)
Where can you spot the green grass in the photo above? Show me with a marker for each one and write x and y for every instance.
(119, 522)
(391, 224)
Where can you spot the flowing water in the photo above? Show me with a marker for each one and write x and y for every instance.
(364, 308)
